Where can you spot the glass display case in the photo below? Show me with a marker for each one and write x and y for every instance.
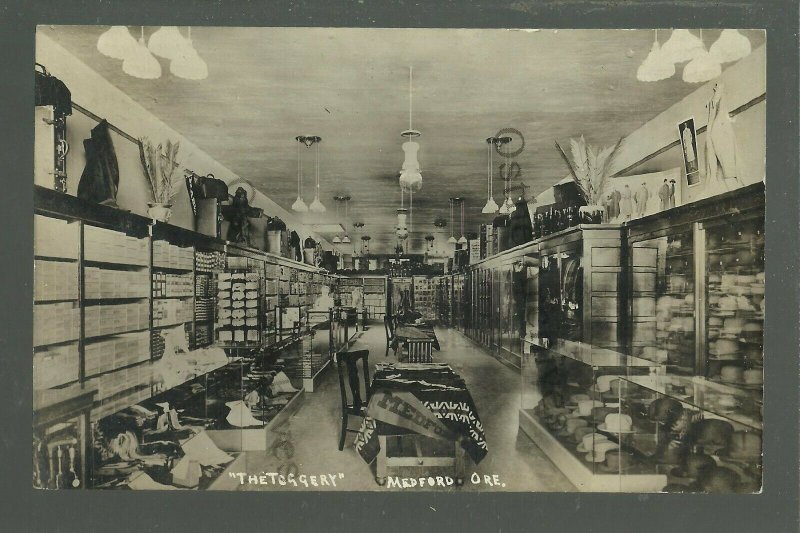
(663, 301)
(561, 296)
(570, 407)
(703, 436)
(734, 321)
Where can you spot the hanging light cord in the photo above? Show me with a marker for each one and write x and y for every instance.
(299, 168)
(410, 93)
(451, 217)
(317, 170)
(462, 218)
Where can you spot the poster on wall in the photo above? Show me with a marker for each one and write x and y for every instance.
(691, 161)
(631, 197)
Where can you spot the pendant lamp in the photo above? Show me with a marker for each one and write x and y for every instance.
(731, 46)
(187, 63)
(462, 240)
(681, 46)
(299, 205)
(656, 66)
(702, 67)
(116, 42)
(167, 42)
(316, 205)
(337, 240)
(140, 63)
(410, 176)
(491, 206)
(451, 240)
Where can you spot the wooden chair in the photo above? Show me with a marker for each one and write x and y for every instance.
(419, 351)
(389, 324)
(346, 362)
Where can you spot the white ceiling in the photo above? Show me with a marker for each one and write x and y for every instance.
(350, 86)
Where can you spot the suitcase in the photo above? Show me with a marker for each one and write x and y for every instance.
(53, 105)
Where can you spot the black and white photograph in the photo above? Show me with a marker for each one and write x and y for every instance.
(352, 259)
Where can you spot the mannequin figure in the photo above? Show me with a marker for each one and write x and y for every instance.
(641, 197)
(664, 193)
(672, 193)
(626, 204)
(721, 163)
(616, 197)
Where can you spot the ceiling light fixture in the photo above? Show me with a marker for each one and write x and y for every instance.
(187, 63)
(116, 42)
(316, 205)
(656, 66)
(462, 240)
(508, 206)
(140, 63)
(731, 46)
(491, 206)
(410, 176)
(451, 240)
(681, 46)
(299, 205)
(167, 42)
(702, 67)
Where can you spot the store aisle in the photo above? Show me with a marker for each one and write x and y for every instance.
(313, 429)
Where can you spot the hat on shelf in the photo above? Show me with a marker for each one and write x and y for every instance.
(691, 467)
(604, 382)
(719, 480)
(712, 434)
(599, 413)
(590, 440)
(617, 461)
(580, 432)
(745, 445)
(598, 453)
(617, 423)
(575, 423)
(753, 377)
(574, 399)
(664, 410)
(585, 407)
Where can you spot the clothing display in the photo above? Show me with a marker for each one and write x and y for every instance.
(100, 179)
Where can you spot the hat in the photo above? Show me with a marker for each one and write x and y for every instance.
(598, 453)
(575, 423)
(585, 407)
(580, 432)
(692, 465)
(745, 445)
(604, 382)
(599, 413)
(590, 440)
(712, 433)
(664, 410)
(616, 461)
(575, 398)
(617, 423)
(731, 374)
(719, 480)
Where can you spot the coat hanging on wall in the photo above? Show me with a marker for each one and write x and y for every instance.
(238, 214)
(100, 179)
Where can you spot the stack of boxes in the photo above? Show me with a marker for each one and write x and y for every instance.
(171, 312)
(108, 246)
(55, 366)
(116, 352)
(109, 319)
(56, 322)
(102, 283)
(425, 297)
(166, 255)
(238, 295)
(56, 238)
(172, 285)
(55, 280)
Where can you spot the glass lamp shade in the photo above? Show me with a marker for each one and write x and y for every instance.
(140, 63)
(504, 209)
(656, 66)
(490, 207)
(337, 240)
(299, 205)
(316, 206)
(681, 46)
(462, 240)
(452, 240)
(701, 69)
(346, 239)
(116, 42)
(510, 205)
(411, 180)
(731, 46)
(188, 64)
(167, 42)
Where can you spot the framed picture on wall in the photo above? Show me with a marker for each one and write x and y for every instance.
(691, 161)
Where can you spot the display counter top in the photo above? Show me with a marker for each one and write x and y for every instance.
(590, 354)
(733, 403)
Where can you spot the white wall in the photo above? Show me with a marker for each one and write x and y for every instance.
(96, 94)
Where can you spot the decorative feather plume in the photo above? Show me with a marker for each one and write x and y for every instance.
(578, 182)
(590, 168)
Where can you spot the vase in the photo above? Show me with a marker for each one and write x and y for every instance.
(159, 212)
(591, 214)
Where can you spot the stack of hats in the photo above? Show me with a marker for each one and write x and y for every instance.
(617, 423)
(595, 446)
